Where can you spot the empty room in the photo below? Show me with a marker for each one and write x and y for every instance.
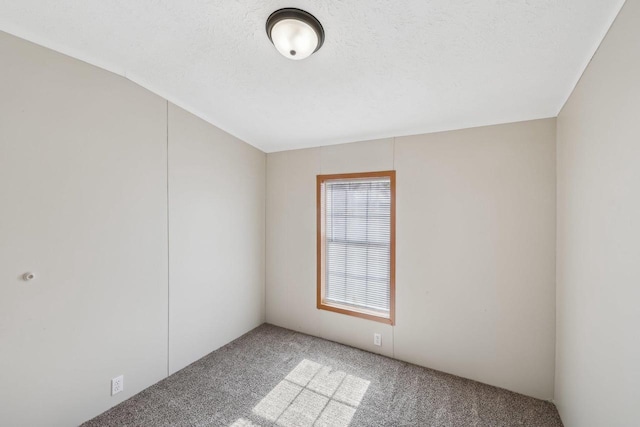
(320, 213)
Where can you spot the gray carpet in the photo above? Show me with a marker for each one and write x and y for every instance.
(276, 377)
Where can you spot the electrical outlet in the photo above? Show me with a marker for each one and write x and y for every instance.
(377, 339)
(117, 385)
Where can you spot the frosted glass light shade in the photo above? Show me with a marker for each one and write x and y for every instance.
(296, 34)
(294, 39)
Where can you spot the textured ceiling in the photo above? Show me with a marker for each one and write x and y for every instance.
(387, 68)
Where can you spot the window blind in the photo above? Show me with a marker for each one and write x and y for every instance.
(358, 242)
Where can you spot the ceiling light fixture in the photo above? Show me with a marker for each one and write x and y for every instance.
(295, 33)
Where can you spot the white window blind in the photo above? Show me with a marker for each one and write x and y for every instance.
(357, 215)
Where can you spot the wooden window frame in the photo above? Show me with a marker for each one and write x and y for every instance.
(320, 248)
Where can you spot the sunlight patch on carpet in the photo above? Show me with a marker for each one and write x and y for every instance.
(311, 395)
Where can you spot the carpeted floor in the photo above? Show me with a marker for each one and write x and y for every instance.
(276, 377)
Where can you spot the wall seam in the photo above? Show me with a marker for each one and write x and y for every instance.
(393, 327)
(264, 254)
(168, 247)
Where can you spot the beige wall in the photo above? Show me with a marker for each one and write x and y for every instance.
(475, 250)
(598, 300)
(83, 204)
(216, 235)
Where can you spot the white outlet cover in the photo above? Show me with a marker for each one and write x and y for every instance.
(117, 385)
(377, 339)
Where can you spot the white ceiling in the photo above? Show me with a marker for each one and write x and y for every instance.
(387, 68)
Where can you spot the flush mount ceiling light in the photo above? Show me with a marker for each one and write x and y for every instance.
(295, 33)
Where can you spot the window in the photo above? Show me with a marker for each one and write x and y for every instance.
(356, 244)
